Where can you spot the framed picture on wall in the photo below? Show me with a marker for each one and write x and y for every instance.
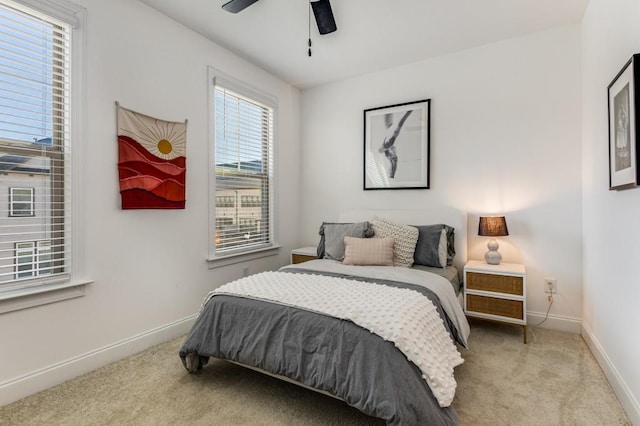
(623, 125)
(396, 146)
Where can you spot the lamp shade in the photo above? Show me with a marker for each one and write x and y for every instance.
(493, 226)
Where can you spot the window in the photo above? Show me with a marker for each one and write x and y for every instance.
(225, 201)
(251, 201)
(25, 258)
(33, 259)
(43, 254)
(35, 140)
(21, 202)
(243, 169)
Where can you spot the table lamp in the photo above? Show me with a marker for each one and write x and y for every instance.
(493, 226)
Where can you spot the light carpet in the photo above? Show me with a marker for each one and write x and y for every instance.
(552, 380)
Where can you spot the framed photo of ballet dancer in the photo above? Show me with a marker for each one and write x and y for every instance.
(396, 146)
(623, 127)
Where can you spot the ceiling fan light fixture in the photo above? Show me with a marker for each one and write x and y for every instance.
(324, 16)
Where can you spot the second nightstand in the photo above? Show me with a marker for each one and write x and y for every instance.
(303, 254)
(496, 292)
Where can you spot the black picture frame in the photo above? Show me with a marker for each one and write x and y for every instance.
(624, 140)
(397, 146)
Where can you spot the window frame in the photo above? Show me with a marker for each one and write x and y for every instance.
(22, 294)
(217, 259)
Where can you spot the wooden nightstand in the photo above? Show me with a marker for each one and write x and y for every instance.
(303, 254)
(496, 292)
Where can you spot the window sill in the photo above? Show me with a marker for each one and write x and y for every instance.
(24, 298)
(232, 259)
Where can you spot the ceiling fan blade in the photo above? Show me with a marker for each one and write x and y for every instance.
(235, 6)
(324, 16)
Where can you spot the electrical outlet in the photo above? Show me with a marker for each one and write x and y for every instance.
(550, 285)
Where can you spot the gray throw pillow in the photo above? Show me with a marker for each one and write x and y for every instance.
(428, 250)
(451, 244)
(332, 237)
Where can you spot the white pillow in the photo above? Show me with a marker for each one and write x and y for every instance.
(442, 248)
(368, 251)
(405, 239)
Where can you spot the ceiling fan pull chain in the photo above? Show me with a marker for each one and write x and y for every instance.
(309, 22)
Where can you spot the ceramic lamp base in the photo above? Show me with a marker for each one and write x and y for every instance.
(493, 256)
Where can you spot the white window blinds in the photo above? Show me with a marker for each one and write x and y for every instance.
(35, 148)
(243, 173)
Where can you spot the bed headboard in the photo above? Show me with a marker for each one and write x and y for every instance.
(447, 215)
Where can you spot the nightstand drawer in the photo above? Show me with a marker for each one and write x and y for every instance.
(303, 254)
(495, 283)
(299, 258)
(500, 307)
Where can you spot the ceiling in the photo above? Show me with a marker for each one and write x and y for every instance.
(372, 34)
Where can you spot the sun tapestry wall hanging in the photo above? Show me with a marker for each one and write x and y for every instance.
(151, 161)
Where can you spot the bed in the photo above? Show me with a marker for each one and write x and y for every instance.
(384, 339)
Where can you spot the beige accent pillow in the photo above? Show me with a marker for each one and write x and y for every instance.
(368, 251)
(405, 239)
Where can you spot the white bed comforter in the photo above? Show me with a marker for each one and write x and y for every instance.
(439, 285)
(402, 316)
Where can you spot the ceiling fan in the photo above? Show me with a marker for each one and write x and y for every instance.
(321, 10)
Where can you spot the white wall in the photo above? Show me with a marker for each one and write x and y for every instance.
(611, 229)
(505, 138)
(148, 265)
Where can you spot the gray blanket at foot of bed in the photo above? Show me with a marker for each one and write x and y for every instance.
(325, 353)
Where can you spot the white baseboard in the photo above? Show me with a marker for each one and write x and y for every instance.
(555, 322)
(44, 378)
(625, 396)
